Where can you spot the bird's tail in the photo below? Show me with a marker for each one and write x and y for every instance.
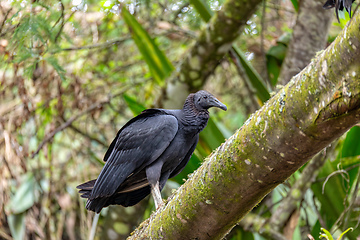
(125, 199)
(96, 204)
(86, 188)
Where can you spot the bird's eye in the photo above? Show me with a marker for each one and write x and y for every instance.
(205, 97)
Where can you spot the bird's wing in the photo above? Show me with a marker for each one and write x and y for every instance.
(140, 142)
(185, 160)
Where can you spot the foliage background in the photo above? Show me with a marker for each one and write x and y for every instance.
(73, 72)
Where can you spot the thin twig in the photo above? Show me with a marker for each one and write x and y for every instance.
(122, 40)
(93, 226)
(67, 124)
(88, 136)
(331, 175)
(74, 118)
(98, 45)
(4, 20)
(62, 20)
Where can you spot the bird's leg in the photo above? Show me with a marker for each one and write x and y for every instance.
(155, 191)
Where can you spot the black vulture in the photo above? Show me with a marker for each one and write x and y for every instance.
(339, 5)
(148, 150)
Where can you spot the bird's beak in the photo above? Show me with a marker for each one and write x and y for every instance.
(216, 103)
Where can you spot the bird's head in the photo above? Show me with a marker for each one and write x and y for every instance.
(205, 100)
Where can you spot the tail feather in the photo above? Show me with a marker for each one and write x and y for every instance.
(86, 188)
(87, 185)
(125, 199)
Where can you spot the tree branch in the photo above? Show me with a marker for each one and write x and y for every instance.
(50, 136)
(213, 43)
(316, 107)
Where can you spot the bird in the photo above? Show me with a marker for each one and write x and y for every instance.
(148, 150)
(339, 5)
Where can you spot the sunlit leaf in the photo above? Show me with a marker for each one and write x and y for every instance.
(344, 18)
(203, 9)
(326, 234)
(342, 234)
(160, 67)
(274, 58)
(134, 105)
(255, 79)
(295, 4)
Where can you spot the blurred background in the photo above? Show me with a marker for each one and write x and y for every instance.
(73, 72)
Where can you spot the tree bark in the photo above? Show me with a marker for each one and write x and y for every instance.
(213, 43)
(317, 106)
(309, 36)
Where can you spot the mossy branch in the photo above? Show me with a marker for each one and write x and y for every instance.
(214, 41)
(318, 105)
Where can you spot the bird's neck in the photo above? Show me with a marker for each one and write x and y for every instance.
(193, 116)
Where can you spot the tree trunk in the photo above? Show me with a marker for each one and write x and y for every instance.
(309, 36)
(317, 106)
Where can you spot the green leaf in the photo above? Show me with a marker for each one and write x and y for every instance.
(351, 145)
(315, 231)
(351, 150)
(295, 4)
(342, 234)
(17, 226)
(344, 18)
(255, 79)
(24, 197)
(326, 234)
(160, 67)
(274, 58)
(134, 105)
(203, 9)
(297, 233)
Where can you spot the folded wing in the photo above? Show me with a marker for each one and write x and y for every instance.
(139, 143)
